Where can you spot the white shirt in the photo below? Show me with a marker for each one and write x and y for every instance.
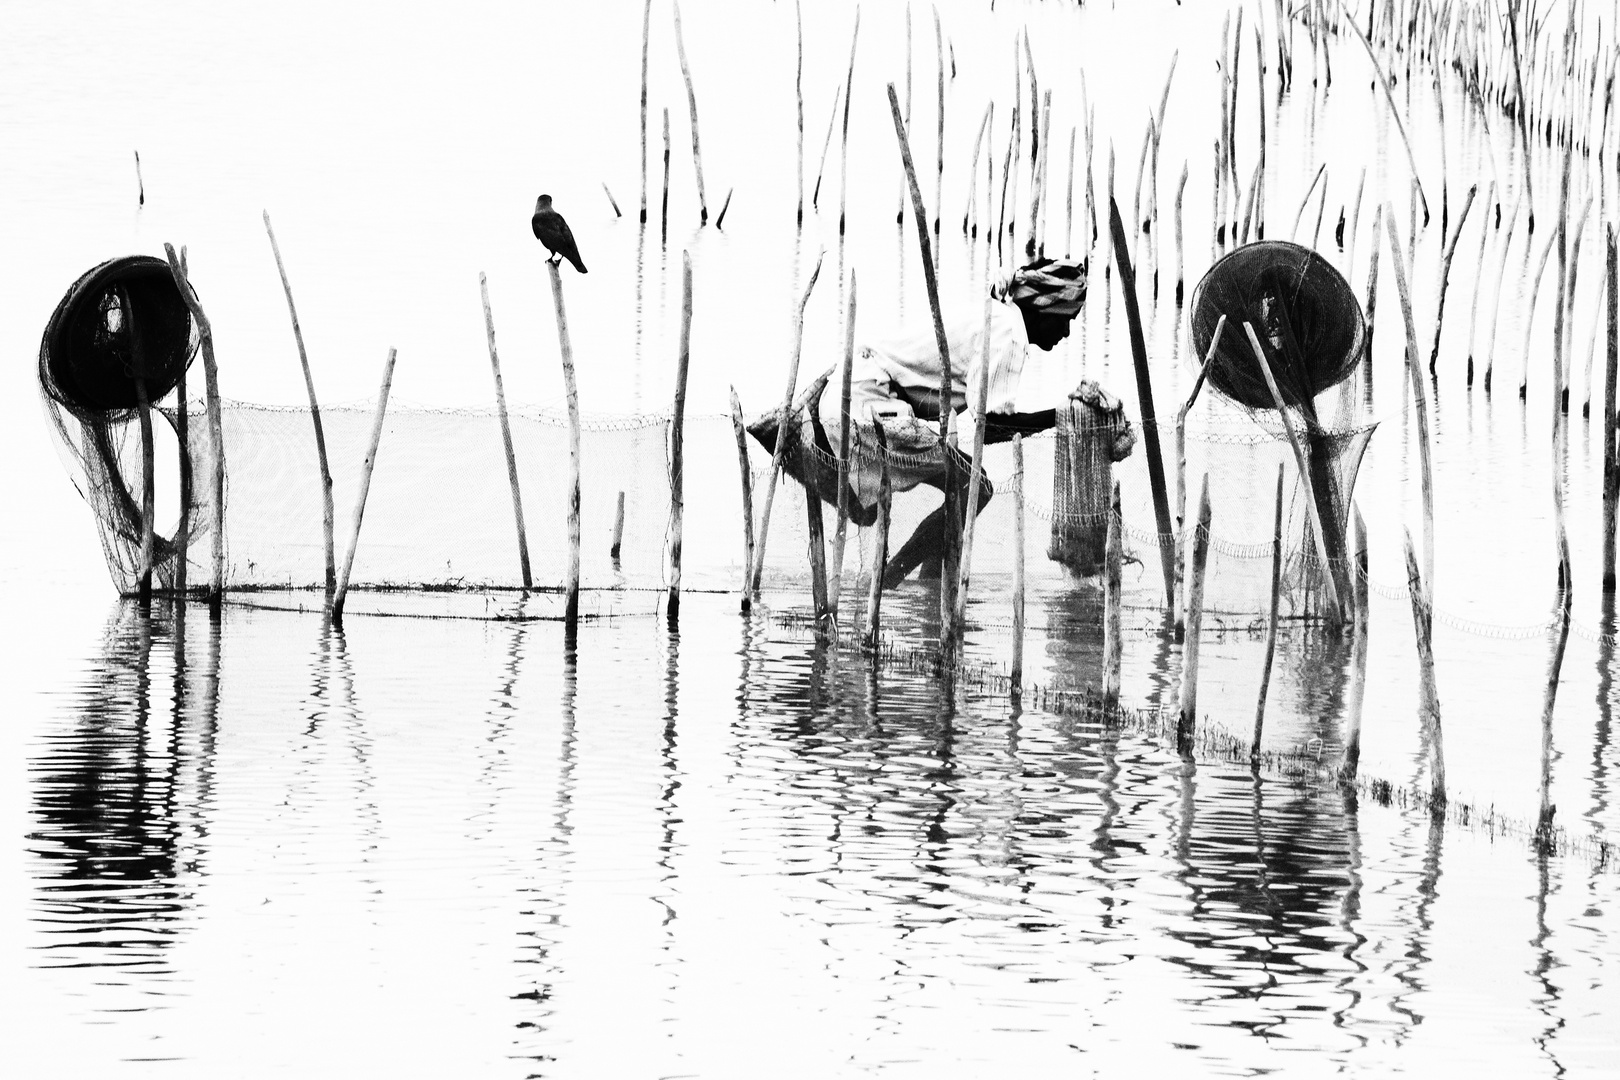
(911, 361)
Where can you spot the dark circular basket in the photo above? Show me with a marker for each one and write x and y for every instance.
(1304, 313)
(122, 320)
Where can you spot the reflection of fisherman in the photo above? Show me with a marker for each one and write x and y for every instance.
(896, 382)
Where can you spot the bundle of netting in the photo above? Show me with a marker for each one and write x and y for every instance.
(121, 325)
(1308, 325)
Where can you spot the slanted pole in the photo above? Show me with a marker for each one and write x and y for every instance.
(747, 496)
(1199, 557)
(1144, 395)
(216, 425)
(342, 591)
(328, 514)
(880, 556)
(1271, 620)
(845, 434)
(506, 434)
(691, 105)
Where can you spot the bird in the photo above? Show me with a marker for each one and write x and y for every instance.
(551, 230)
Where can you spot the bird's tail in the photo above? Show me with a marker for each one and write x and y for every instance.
(579, 264)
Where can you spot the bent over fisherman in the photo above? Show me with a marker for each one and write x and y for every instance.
(896, 383)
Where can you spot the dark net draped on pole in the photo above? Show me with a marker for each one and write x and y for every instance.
(1311, 329)
(123, 320)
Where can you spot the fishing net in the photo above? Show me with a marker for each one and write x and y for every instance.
(121, 323)
(1306, 322)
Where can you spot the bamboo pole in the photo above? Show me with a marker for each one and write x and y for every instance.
(617, 543)
(342, 591)
(216, 425)
(781, 429)
(691, 105)
(982, 393)
(1181, 451)
(1181, 189)
(663, 206)
(182, 433)
(843, 149)
(973, 172)
(143, 408)
(817, 543)
(571, 610)
(720, 220)
(1355, 225)
(747, 495)
(1356, 699)
(1530, 315)
(1113, 603)
(1428, 694)
(1494, 307)
(947, 577)
(1420, 404)
(1445, 273)
(900, 200)
(1372, 288)
(140, 182)
(1195, 620)
(1299, 215)
(1016, 675)
(1271, 620)
(646, 37)
(845, 430)
(1567, 293)
(826, 144)
(1068, 207)
(1312, 507)
(506, 435)
(1611, 464)
(798, 94)
(328, 515)
(1144, 395)
(1479, 277)
(939, 172)
(1136, 200)
(611, 200)
(1559, 438)
(677, 444)
(880, 555)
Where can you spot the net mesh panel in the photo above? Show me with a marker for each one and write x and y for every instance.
(122, 320)
(1309, 325)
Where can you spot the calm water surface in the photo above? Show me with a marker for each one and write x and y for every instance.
(260, 846)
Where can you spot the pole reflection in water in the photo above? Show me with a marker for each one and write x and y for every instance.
(121, 799)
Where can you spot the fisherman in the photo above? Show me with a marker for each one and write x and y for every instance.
(896, 383)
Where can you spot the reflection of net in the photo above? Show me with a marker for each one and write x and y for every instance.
(121, 321)
(1309, 326)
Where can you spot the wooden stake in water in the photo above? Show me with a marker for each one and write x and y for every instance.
(1181, 189)
(677, 444)
(1068, 207)
(843, 149)
(1494, 307)
(781, 431)
(1445, 273)
(1017, 671)
(880, 553)
(1195, 622)
(365, 487)
(1181, 448)
(798, 94)
(939, 173)
(216, 424)
(826, 144)
(663, 206)
(747, 496)
(1558, 418)
(691, 105)
(1395, 114)
(646, 36)
(617, 543)
(571, 609)
(981, 394)
(327, 512)
(1428, 694)
(1335, 612)
(1611, 464)
(1271, 620)
(845, 431)
(1479, 278)
(817, 542)
(1113, 603)
(506, 434)
(1357, 695)
(1420, 403)
(1144, 397)
(973, 172)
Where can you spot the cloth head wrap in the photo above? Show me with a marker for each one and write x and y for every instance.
(1050, 286)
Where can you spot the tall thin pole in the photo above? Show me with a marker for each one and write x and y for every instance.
(677, 443)
(342, 591)
(506, 435)
(1199, 556)
(571, 610)
(216, 425)
(1611, 466)
(327, 512)
(1017, 673)
(1271, 619)
(646, 34)
(747, 495)
(691, 105)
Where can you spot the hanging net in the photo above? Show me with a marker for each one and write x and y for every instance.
(1292, 306)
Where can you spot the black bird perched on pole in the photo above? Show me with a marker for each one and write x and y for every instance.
(551, 230)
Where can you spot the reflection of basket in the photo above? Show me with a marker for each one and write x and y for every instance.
(1092, 434)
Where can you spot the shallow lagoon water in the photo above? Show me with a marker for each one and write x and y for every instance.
(430, 846)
